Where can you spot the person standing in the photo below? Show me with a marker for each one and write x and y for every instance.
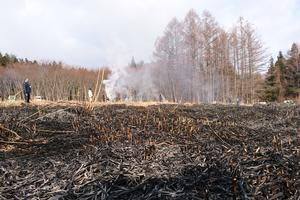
(90, 94)
(26, 90)
(238, 102)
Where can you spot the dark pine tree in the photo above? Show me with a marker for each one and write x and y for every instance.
(293, 72)
(270, 90)
(280, 77)
(133, 63)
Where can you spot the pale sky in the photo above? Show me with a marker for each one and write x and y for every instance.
(93, 33)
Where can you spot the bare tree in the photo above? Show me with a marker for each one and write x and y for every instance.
(201, 62)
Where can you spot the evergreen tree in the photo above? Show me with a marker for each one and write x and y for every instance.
(1, 59)
(293, 72)
(280, 82)
(133, 63)
(7, 59)
(270, 83)
(280, 76)
(4, 61)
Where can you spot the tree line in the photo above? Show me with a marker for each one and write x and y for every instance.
(199, 61)
(51, 80)
(8, 59)
(282, 80)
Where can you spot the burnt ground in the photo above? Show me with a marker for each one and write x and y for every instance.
(155, 152)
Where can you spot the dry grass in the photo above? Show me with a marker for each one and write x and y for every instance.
(10, 103)
(21, 103)
(91, 105)
(82, 103)
(6, 148)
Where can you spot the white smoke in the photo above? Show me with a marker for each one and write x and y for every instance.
(114, 85)
(131, 83)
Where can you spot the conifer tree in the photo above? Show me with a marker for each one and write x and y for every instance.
(280, 76)
(270, 83)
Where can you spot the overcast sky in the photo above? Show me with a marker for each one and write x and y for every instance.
(93, 33)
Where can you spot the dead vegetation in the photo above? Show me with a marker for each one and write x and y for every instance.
(122, 151)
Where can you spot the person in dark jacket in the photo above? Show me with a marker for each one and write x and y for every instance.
(26, 90)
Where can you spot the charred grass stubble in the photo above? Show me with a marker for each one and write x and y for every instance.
(154, 152)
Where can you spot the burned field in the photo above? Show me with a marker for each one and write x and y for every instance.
(153, 152)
